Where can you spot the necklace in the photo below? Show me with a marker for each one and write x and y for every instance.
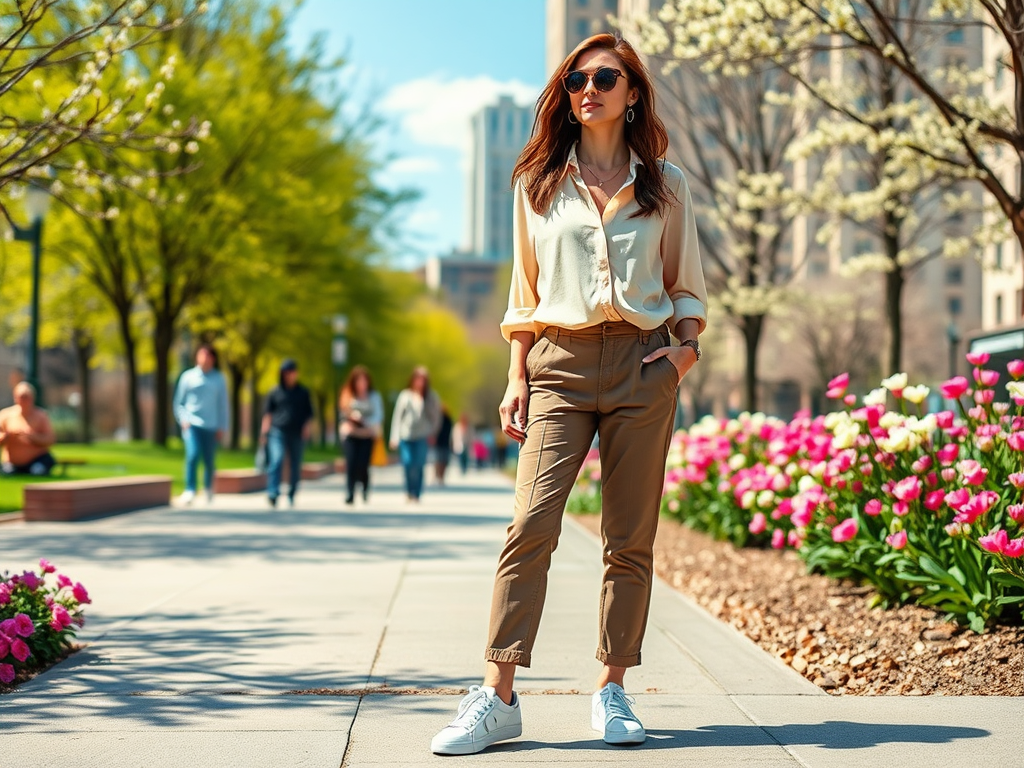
(601, 182)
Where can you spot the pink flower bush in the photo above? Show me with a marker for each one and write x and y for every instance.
(37, 621)
(850, 489)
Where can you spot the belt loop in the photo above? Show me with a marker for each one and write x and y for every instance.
(645, 336)
(557, 332)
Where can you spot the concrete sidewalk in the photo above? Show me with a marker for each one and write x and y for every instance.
(240, 636)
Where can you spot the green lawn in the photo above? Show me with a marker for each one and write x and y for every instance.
(141, 458)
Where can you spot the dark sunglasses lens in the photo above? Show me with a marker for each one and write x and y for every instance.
(575, 81)
(605, 79)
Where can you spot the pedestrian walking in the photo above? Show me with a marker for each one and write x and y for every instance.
(201, 409)
(415, 421)
(605, 267)
(26, 435)
(362, 419)
(287, 416)
(463, 437)
(443, 446)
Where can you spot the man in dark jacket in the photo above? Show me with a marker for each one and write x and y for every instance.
(286, 421)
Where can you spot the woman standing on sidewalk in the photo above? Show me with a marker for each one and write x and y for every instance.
(414, 423)
(605, 267)
(362, 415)
(201, 408)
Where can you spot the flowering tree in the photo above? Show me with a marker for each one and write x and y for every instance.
(66, 79)
(949, 123)
(732, 144)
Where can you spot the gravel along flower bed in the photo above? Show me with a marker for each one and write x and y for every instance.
(825, 629)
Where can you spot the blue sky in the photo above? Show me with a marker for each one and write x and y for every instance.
(426, 67)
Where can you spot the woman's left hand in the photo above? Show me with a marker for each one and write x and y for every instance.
(682, 358)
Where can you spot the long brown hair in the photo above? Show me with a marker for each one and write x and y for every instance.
(348, 390)
(542, 162)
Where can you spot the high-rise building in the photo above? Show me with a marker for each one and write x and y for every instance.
(569, 22)
(499, 134)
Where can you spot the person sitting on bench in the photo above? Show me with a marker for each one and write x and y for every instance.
(26, 435)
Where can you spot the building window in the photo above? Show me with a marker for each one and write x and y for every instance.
(581, 3)
(862, 246)
(612, 6)
(954, 305)
(955, 36)
(999, 255)
(954, 275)
(582, 28)
(999, 310)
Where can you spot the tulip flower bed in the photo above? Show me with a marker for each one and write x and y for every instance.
(38, 621)
(925, 508)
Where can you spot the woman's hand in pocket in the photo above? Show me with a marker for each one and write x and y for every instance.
(514, 407)
(682, 358)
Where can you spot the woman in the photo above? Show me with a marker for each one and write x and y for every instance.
(605, 267)
(201, 408)
(414, 423)
(362, 417)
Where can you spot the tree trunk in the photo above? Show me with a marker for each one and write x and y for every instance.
(254, 407)
(163, 340)
(321, 417)
(894, 282)
(128, 340)
(83, 352)
(752, 327)
(237, 382)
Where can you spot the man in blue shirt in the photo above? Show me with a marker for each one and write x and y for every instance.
(201, 408)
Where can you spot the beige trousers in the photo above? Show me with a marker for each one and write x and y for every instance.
(585, 382)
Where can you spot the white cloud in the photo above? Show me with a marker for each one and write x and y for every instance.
(436, 112)
(414, 165)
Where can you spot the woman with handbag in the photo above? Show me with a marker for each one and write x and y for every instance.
(605, 268)
(362, 417)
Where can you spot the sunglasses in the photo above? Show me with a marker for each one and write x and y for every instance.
(604, 79)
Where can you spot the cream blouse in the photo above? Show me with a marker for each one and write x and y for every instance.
(574, 268)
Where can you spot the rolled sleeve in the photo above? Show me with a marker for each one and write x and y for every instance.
(680, 253)
(522, 297)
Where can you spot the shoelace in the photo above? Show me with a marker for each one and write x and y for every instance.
(472, 708)
(617, 704)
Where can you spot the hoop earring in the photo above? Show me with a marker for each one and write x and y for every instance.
(629, 115)
(572, 118)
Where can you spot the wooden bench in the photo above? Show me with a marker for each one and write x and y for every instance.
(239, 481)
(67, 500)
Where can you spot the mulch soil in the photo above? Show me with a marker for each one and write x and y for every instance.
(825, 629)
(25, 674)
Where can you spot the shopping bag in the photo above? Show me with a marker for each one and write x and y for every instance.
(379, 457)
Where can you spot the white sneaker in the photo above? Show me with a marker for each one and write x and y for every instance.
(610, 714)
(187, 497)
(483, 719)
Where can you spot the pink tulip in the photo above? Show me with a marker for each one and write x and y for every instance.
(845, 531)
(897, 540)
(46, 566)
(857, 487)
(922, 465)
(977, 358)
(972, 472)
(1017, 480)
(994, 542)
(850, 400)
(934, 500)
(959, 497)
(61, 618)
(1016, 513)
(23, 625)
(976, 507)
(954, 388)
(984, 396)
(872, 507)
(907, 489)
(778, 538)
(986, 378)
(948, 474)
(944, 419)
(1015, 368)
(5, 596)
(900, 508)
(63, 581)
(794, 539)
(1016, 441)
(955, 530)
(80, 594)
(6, 674)
(758, 524)
(1014, 548)
(842, 381)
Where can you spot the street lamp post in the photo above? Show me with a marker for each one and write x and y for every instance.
(37, 203)
(953, 335)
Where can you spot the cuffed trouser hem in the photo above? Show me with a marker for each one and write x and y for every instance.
(618, 661)
(505, 656)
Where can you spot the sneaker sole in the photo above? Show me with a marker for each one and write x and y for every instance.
(501, 734)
